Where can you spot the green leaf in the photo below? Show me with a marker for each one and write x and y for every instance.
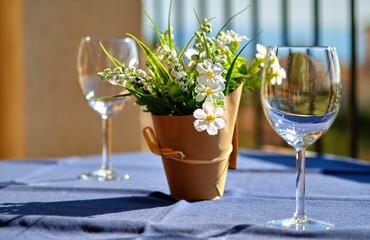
(190, 105)
(179, 99)
(174, 90)
(153, 103)
(237, 75)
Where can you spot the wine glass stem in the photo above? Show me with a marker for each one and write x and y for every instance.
(106, 143)
(300, 212)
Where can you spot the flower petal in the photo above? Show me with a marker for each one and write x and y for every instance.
(200, 89)
(273, 81)
(221, 86)
(199, 114)
(279, 80)
(219, 111)
(200, 97)
(211, 83)
(220, 123)
(208, 107)
(220, 78)
(217, 68)
(200, 125)
(219, 95)
(203, 79)
(208, 63)
(261, 49)
(282, 73)
(210, 98)
(212, 129)
(201, 69)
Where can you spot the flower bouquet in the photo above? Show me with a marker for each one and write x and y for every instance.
(193, 95)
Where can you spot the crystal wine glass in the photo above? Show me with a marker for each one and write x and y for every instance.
(91, 60)
(301, 91)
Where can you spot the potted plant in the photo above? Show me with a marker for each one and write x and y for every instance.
(193, 96)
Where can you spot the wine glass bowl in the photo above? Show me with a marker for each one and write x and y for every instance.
(300, 95)
(102, 96)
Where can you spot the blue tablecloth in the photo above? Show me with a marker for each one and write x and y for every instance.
(43, 199)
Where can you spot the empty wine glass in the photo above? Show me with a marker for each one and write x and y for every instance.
(91, 60)
(301, 91)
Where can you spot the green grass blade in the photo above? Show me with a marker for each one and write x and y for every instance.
(156, 64)
(231, 18)
(169, 26)
(196, 15)
(229, 72)
(114, 60)
(186, 46)
(153, 103)
(161, 40)
(113, 96)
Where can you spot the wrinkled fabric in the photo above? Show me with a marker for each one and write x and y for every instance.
(44, 199)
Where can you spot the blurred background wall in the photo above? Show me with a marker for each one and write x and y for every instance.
(42, 113)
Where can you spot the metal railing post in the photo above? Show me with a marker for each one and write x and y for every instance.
(353, 84)
(316, 42)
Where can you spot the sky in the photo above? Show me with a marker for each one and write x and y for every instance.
(334, 17)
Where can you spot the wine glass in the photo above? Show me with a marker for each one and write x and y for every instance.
(91, 60)
(301, 91)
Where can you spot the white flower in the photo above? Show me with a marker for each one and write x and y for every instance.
(277, 73)
(221, 45)
(235, 37)
(274, 61)
(177, 75)
(209, 118)
(210, 94)
(223, 39)
(210, 74)
(141, 74)
(261, 53)
(146, 87)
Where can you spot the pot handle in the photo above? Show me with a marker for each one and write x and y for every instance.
(152, 141)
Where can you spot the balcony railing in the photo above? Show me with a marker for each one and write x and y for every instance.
(268, 11)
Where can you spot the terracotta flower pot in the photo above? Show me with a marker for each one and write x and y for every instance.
(200, 173)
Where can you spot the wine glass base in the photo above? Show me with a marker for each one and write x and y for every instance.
(305, 224)
(104, 175)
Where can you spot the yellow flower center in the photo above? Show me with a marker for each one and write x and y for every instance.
(209, 91)
(210, 74)
(210, 118)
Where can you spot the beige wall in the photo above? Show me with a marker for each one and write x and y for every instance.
(42, 111)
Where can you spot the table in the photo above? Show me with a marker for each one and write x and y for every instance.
(43, 199)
